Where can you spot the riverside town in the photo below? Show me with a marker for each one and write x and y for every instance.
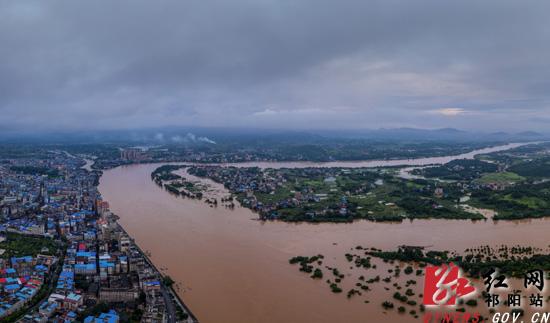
(302, 161)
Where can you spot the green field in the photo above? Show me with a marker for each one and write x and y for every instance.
(500, 178)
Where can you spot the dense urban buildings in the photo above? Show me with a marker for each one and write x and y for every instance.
(64, 258)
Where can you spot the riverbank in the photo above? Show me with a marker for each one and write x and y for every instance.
(234, 269)
(191, 317)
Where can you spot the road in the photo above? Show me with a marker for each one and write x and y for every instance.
(170, 307)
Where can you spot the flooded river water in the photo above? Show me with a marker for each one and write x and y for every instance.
(232, 268)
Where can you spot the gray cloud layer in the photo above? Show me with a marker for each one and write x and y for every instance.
(299, 64)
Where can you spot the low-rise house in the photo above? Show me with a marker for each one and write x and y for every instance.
(110, 317)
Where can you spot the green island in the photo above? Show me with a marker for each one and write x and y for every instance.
(500, 186)
(165, 177)
(336, 194)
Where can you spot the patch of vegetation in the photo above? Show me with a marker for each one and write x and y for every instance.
(19, 245)
(335, 288)
(35, 170)
(500, 178)
(538, 168)
(461, 169)
(517, 202)
(317, 274)
(167, 281)
(305, 264)
(387, 305)
(164, 173)
(514, 262)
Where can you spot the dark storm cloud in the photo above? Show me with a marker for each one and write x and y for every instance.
(315, 64)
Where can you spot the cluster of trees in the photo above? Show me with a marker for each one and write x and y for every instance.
(460, 169)
(412, 254)
(475, 266)
(517, 202)
(164, 173)
(306, 265)
(18, 245)
(360, 149)
(429, 208)
(421, 203)
(35, 170)
(533, 169)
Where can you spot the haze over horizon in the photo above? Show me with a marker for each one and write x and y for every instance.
(304, 64)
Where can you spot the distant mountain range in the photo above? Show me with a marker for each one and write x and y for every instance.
(189, 135)
(447, 134)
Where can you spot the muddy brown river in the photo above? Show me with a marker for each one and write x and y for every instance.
(229, 267)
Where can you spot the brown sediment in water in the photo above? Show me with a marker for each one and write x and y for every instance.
(233, 268)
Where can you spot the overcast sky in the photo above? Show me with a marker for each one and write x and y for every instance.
(481, 65)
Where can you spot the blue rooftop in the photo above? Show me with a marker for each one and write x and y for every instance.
(88, 254)
(11, 287)
(110, 317)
